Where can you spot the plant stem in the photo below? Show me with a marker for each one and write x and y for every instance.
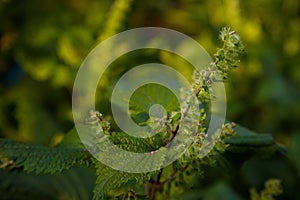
(156, 185)
(147, 188)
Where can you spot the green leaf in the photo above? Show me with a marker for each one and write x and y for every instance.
(245, 137)
(135, 144)
(40, 159)
(75, 184)
(146, 96)
(72, 139)
(249, 141)
(108, 179)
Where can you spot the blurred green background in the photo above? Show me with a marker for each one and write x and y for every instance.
(42, 44)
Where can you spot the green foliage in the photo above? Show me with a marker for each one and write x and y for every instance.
(40, 159)
(75, 183)
(228, 56)
(109, 179)
(115, 18)
(189, 163)
(150, 94)
(225, 60)
(248, 141)
(40, 53)
(272, 188)
(178, 176)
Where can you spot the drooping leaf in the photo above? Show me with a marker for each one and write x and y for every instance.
(40, 159)
(249, 141)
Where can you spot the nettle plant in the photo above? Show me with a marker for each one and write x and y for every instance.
(173, 180)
